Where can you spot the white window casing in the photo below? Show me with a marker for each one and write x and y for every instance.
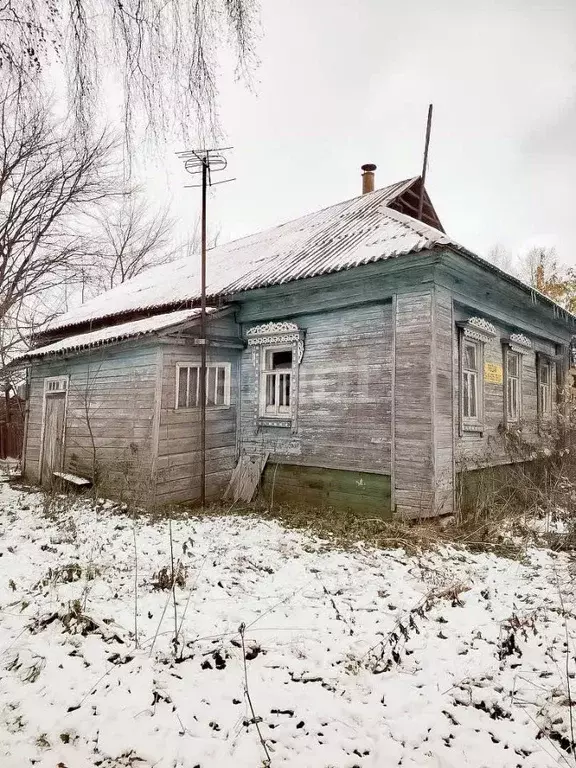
(188, 385)
(277, 352)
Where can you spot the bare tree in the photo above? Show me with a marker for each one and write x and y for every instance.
(47, 181)
(501, 258)
(165, 54)
(539, 265)
(127, 237)
(541, 269)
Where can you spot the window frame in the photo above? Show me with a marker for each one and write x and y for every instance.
(55, 385)
(510, 419)
(478, 331)
(227, 386)
(475, 422)
(544, 362)
(266, 373)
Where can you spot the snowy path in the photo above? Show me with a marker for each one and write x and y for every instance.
(369, 658)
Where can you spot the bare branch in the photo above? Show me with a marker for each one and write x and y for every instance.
(47, 181)
(164, 52)
(126, 238)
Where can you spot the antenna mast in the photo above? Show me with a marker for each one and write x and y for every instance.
(204, 162)
(425, 162)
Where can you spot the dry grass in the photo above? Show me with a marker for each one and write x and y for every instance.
(498, 516)
(500, 522)
(340, 528)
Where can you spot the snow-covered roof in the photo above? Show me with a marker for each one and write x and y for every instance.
(114, 334)
(348, 234)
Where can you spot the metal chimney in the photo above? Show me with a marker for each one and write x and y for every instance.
(368, 177)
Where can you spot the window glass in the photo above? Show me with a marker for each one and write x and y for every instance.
(513, 364)
(512, 397)
(194, 388)
(470, 395)
(470, 357)
(545, 390)
(220, 391)
(276, 359)
(183, 387)
(512, 386)
(211, 386)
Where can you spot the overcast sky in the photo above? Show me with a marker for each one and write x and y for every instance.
(344, 83)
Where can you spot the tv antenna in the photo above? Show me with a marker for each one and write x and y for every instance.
(204, 162)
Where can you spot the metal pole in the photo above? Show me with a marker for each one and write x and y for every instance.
(425, 163)
(202, 387)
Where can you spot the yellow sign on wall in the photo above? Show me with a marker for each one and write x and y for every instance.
(493, 373)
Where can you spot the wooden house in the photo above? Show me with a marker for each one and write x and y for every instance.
(371, 357)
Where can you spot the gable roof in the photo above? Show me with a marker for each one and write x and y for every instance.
(359, 231)
(115, 333)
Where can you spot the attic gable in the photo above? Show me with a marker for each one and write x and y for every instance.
(407, 201)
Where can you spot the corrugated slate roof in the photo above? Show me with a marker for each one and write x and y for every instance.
(346, 235)
(113, 334)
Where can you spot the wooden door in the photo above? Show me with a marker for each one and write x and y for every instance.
(53, 442)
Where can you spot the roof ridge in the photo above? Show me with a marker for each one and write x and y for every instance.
(403, 183)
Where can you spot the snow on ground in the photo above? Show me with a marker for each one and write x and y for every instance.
(353, 658)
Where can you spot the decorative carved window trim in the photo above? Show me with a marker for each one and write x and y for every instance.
(517, 342)
(276, 334)
(478, 329)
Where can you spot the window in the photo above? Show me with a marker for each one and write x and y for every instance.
(276, 381)
(475, 333)
(277, 350)
(188, 385)
(55, 384)
(513, 366)
(471, 381)
(544, 388)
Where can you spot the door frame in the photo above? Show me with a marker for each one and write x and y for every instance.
(53, 385)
